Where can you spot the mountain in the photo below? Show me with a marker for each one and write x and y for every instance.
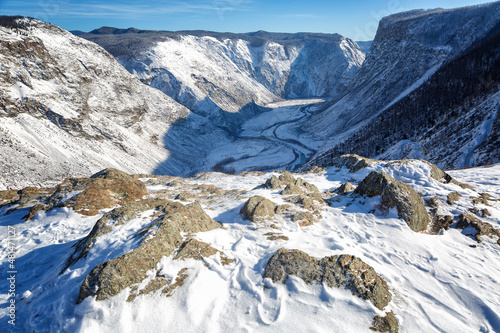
(410, 49)
(451, 120)
(345, 249)
(67, 107)
(204, 70)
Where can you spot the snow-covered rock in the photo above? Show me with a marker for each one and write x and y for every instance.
(158, 263)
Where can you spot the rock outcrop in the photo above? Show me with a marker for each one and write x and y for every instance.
(344, 271)
(345, 188)
(397, 194)
(352, 162)
(87, 196)
(482, 228)
(387, 324)
(159, 239)
(258, 208)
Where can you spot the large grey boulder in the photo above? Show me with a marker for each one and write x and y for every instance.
(159, 239)
(258, 208)
(340, 271)
(397, 194)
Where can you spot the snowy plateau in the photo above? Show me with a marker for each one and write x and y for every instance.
(195, 181)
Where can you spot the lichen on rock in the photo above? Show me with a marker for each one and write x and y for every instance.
(397, 194)
(258, 208)
(387, 324)
(340, 271)
(157, 240)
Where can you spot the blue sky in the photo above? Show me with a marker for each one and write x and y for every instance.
(356, 19)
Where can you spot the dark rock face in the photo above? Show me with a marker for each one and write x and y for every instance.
(387, 324)
(159, 239)
(258, 208)
(482, 228)
(344, 271)
(397, 194)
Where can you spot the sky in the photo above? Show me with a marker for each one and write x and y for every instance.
(356, 19)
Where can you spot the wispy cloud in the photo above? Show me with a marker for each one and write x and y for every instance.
(127, 9)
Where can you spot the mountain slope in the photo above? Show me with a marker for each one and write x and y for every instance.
(408, 49)
(451, 120)
(200, 68)
(68, 108)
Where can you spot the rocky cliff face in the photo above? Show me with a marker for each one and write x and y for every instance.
(439, 53)
(203, 70)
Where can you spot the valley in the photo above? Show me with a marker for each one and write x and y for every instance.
(270, 141)
(199, 181)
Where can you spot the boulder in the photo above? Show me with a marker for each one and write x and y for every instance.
(276, 183)
(258, 208)
(453, 197)
(397, 194)
(340, 271)
(352, 162)
(345, 188)
(292, 189)
(159, 239)
(387, 324)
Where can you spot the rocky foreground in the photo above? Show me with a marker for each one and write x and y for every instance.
(361, 244)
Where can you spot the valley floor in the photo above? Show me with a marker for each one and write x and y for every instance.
(270, 141)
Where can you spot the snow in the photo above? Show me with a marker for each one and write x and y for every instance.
(81, 84)
(438, 282)
(270, 140)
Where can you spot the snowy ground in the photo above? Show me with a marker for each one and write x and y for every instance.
(269, 141)
(440, 283)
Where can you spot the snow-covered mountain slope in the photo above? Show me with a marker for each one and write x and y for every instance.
(451, 120)
(201, 69)
(408, 49)
(282, 261)
(67, 107)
